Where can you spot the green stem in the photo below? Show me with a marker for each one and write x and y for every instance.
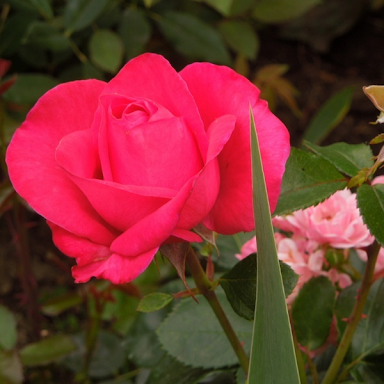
(355, 317)
(206, 289)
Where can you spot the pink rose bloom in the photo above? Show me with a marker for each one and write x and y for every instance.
(250, 246)
(120, 168)
(336, 222)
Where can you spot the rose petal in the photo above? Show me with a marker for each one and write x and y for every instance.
(206, 187)
(33, 170)
(155, 228)
(120, 205)
(220, 91)
(84, 250)
(162, 153)
(95, 260)
(159, 82)
(116, 268)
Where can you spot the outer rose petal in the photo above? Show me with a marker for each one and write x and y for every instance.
(206, 187)
(32, 166)
(116, 268)
(154, 229)
(220, 91)
(95, 260)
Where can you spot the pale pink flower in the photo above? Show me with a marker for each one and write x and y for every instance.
(250, 246)
(336, 222)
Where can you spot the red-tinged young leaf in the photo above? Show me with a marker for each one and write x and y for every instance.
(378, 139)
(4, 66)
(375, 93)
(154, 301)
(312, 312)
(370, 200)
(5, 85)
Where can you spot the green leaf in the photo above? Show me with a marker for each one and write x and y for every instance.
(106, 50)
(169, 370)
(13, 32)
(241, 37)
(312, 312)
(370, 200)
(276, 11)
(47, 350)
(371, 369)
(347, 158)
(43, 6)
(369, 336)
(202, 343)
(308, 180)
(11, 370)
(239, 285)
(45, 36)
(91, 72)
(229, 246)
(193, 38)
(79, 14)
(57, 305)
(230, 7)
(28, 88)
(154, 301)
(8, 331)
(329, 115)
(273, 359)
(135, 31)
(141, 344)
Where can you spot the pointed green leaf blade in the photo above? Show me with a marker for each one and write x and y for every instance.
(273, 359)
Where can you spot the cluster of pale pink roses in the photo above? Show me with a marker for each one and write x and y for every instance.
(310, 240)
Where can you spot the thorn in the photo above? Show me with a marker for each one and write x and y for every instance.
(346, 319)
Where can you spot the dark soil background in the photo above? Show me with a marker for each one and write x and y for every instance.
(355, 58)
